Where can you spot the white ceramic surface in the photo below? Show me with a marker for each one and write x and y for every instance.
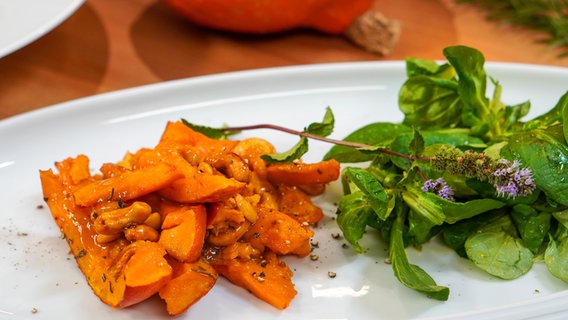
(23, 21)
(36, 270)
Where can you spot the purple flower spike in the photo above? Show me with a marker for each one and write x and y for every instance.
(510, 191)
(439, 187)
(512, 181)
(509, 178)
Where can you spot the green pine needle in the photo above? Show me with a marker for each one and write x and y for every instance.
(549, 17)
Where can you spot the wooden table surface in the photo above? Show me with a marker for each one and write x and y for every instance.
(108, 45)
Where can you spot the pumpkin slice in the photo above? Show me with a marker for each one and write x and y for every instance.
(280, 233)
(183, 232)
(299, 173)
(128, 185)
(267, 278)
(120, 273)
(190, 282)
(294, 202)
(177, 133)
(197, 184)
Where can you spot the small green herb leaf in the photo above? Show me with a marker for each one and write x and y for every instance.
(375, 134)
(296, 152)
(324, 128)
(213, 133)
(321, 129)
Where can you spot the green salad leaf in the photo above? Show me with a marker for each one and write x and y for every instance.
(462, 166)
(556, 258)
(499, 254)
(409, 274)
(546, 152)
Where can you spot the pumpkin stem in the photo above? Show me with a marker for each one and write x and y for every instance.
(374, 32)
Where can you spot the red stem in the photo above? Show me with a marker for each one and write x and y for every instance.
(324, 139)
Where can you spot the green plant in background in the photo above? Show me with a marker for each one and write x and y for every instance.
(546, 16)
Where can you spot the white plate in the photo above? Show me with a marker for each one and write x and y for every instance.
(37, 272)
(23, 21)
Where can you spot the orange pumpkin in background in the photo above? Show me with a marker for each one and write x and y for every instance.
(357, 20)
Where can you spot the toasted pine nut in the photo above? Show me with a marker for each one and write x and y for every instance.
(228, 234)
(246, 208)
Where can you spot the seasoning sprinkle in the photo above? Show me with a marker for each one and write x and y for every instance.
(80, 254)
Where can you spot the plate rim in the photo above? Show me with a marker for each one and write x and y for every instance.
(175, 84)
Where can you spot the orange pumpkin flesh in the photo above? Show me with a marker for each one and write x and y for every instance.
(184, 238)
(299, 173)
(268, 278)
(190, 282)
(112, 268)
(271, 219)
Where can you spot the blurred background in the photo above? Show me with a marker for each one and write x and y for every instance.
(106, 45)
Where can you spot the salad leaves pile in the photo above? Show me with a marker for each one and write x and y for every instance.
(461, 166)
(445, 109)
